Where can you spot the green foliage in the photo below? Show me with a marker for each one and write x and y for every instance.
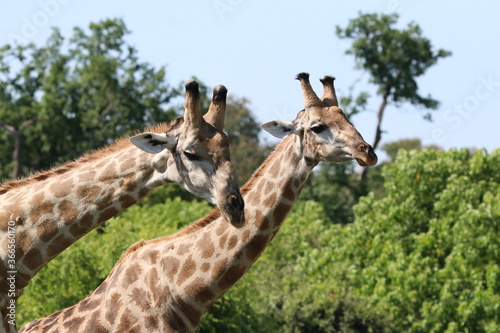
(73, 95)
(423, 258)
(427, 254)
(393, 57)
(392, 148)
(243, 131)
(336, 187)
(352, 105)
(290, 289)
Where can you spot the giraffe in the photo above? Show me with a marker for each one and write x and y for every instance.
(167, 284)
(51, 210)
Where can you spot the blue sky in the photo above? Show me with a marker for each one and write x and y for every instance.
(257, 47)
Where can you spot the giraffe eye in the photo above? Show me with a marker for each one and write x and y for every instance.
(191, 155)
(318, 128)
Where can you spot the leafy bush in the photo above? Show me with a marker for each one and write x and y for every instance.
(428, 253)
(290, 288)
(423, 258)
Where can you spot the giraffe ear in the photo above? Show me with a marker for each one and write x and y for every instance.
(154, 142)
(280, 128)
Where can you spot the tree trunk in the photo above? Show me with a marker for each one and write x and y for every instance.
(380, 115)
(378, 132)
(17, 153)
(18, 144)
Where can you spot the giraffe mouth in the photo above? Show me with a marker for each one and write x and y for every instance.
(370, 160)
(368, 156)
(361, 162)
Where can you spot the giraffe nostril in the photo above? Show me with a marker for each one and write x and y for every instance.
(236, 202)
(363, 148)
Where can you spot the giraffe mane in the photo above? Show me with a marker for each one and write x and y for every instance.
(209, 218)
(94, 155)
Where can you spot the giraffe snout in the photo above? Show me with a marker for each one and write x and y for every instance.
(237, 202)
(366, 155)
(234, 209)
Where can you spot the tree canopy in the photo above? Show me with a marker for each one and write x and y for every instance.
(393, 57)
(73, 95)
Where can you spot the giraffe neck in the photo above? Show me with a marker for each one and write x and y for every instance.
(168, 283)
(229, 252)
(52, 210)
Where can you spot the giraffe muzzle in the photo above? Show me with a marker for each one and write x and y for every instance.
(368, 156)
(234, 209)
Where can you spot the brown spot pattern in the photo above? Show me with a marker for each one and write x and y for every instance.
(47, 230)
(128, 323)
(40, 209)
(77, 230)
(67, 211)
(153, 257)
(143, 192)
(107, 214)
(129, 183)
(220, 229)
(101, 288)
(68, 312)
(33, 259)
(199, 291)
(219, 268)
(229, 278)
(62, 189)
(206, 247)
(281, 211)
(87, 304)
(270, 187)
(289, 195)
(87, 220)
(232, 242)
(127, 164)
(270, 200)
(245, 235)
(187, 270)
(222, 241)
(86, 177)
(152, 323)
(127, 201)
(108, 174)
(183, 249)
(88, 194)
(255, 247)
(171, 265)
(93, 325)
(205, 267)
(140, 297)
(132, 274)
(73, 324)
(112, 307)
(191, 312)
(57, 245)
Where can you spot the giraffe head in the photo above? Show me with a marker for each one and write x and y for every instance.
(324, 131)
(200, 151)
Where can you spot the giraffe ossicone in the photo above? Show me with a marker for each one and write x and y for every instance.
(167, 284)
(53, 209)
